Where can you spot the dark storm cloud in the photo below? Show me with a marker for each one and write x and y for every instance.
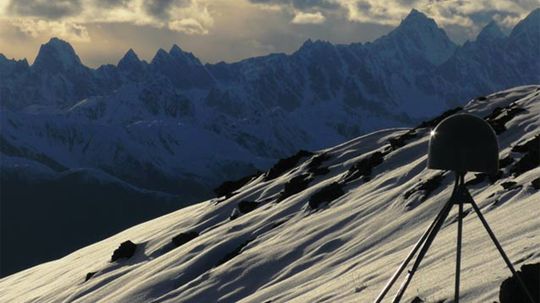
(113, 3)
(161, 8)
(44, 8)
(301, 4)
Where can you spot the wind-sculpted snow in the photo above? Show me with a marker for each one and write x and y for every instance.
(282, 249)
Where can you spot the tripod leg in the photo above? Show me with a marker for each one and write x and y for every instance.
(501, 251)
(415, 249)
(458, 252)
(423, 250)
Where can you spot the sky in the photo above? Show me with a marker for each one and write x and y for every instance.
(101, 31)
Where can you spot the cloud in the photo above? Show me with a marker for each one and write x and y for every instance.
(308, 18)
(67, 18)
(301, 4)
(68, 30)
(45, 8)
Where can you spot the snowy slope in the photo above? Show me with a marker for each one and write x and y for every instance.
(292, 249)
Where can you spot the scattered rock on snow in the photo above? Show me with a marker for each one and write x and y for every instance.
(89, 276)
(401, 140)
(294, 186)
(228, 188)
(536, 183)
(502, 115)
(184, 238)
(417, 300)
(435, 121)
(317, 161)
(326, 194)
(427, 186)
(126, 250)
(234, 214)
(233, 253)
(364, 167)
(510, 290)
(508, 185)
(247, 206)
(504, 162)
(530, 160)
(286, 164)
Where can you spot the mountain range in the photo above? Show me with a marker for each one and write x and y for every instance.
(174, 128)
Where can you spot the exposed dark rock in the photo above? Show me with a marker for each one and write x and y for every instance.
(401, 140)
(317, 161)
(505, 161)
(320, 171)
(536, 183)
(417, 300)
(233, 253)
(89, 276)
(126, 250)
(478, 178)
(184, 238)
(528, 146)
(326, 194)
(526, 163)
(481, 177)
(227, 188)
(435, 121)
(481, 98)
(427, 186)
(234, 214)
(510, 290)
(286, 164)
(510, 185)
(530, 160)
(502, 115)
(247, 206)
(294, 186)
(364, 167)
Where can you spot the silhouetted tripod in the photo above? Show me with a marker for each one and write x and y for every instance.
(460, 196)
(460, 143)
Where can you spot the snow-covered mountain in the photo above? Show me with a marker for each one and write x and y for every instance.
(146, 122)
(327, 226)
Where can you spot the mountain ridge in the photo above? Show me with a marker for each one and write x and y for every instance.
(330, 224)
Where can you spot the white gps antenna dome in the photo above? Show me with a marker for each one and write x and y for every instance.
(464, 143)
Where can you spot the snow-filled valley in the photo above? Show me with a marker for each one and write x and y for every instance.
(329, 226)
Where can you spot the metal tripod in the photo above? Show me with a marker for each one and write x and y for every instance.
(460, 195)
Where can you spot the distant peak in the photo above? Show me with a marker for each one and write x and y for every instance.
(416, 16)
(186, 57)
(131, 53)
(160, 56)
(529, 25)
(129, 60)
(56, 55)
(490, 32)
(175, 49)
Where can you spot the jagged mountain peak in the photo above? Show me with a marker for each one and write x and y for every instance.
(130, 62)
(160, 56)
(56, 55)
(528, 26)
(420, 35)
(490, 32)
(129, 58)
(186, 57)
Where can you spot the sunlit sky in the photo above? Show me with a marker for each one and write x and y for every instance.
(101, 31)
